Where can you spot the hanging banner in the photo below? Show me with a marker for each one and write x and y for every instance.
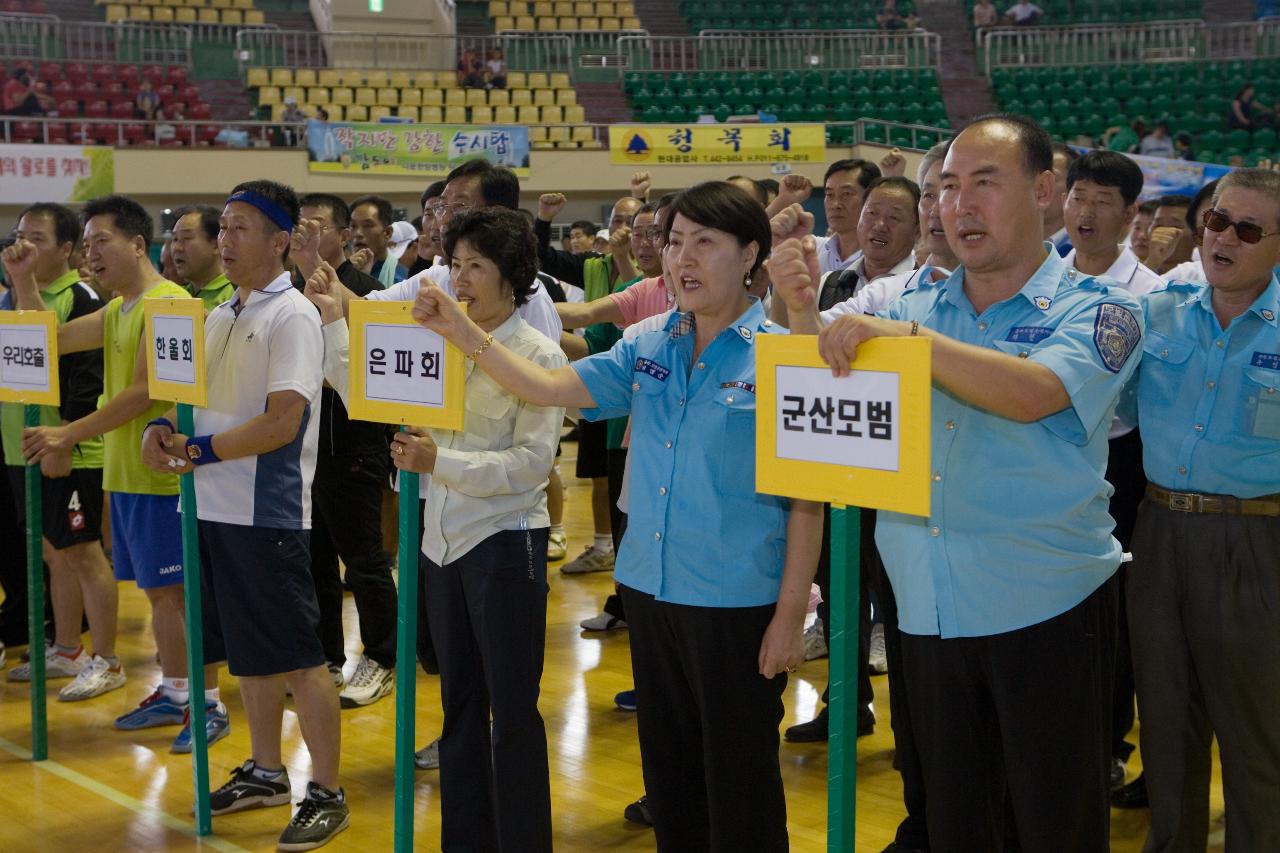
(1162, 176)
(61, 173)
(428, 150)
(700, 144)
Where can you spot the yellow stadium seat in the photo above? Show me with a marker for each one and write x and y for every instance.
(400, 80)
(277, 110)
(538, 80)
(185, 15)
(162, 15)
(257, 77)
(503, 23)
(584, 8)
(521, 97)
(389, 97)
(447, 80)
(584, 133)
(411, 97)
(552, 115)
(221, 4)
(525, 23)
(606, 9)
(558, 80)
(559, 133)
(455, 98)
(497, 8)
(298, 93)
(207, 16)
(431, 115)
(589, 25)
(517, 80)
(499, 97)
(357, 112)
(482, 115)
(425, 79)
(566, 97)
(255, 17)
(232, 16)
(544, 97)
(543, 8)
(624, 10)
(610, 24)
(329, 77)
(432, 98)
(516, 8)
(379, 112)
(567, 25)
(336, 112)
(476, 97)
(411, 113)
(575, 114)
(244, 4)
(139, 13)
(546, 25)
(269, 95)
(455, 115)
(528, 115)
(305, 77)
(631, 23)
(377, 79)
(504, 115)
(353, 77)
(537, 134)
(341, 95)
(562, 8)
(366, 96)
(317, 95)
(281, 76)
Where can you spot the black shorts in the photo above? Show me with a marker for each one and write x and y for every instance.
(593, 456)
(259, 602)
(72, 505)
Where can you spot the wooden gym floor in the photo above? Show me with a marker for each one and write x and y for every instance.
(104, 790)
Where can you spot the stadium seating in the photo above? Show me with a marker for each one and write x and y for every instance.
(801, 15)
(563, 16)
(226, 12)
(1062, 13)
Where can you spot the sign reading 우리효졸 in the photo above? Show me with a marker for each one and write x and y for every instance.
(402, 373)
(175, 355)
(29, 357)
(859, 440)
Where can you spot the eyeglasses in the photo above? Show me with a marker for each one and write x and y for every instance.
(441, 210)
(648, 235)
(1216, 220)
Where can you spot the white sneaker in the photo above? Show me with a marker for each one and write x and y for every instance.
(815, 641)
(590, 560)
(335, 672)
(603, 622)
(428, 758)
(56, 665)
(557, 547)
(97, 677)
(369, 683)
(876, 658)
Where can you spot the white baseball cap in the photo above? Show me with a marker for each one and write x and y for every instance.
(402, 234)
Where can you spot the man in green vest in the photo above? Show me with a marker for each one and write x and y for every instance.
(80, 576)
(195, 255)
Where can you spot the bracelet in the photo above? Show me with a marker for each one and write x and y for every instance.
(200, 450)
(915, 327)
(164, 422)
(488, 342)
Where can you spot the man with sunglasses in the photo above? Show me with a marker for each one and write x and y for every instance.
(1203, 587)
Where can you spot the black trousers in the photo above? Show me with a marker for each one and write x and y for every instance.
(13, 574)
(488, 614)
(708, 726)
(617, 465)
(1017, 722)
(346, 523)
(1126, 476)
(872, 569)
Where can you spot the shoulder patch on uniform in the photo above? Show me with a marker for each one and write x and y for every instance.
(652, 368)
(1116, 334)
(1042, 302)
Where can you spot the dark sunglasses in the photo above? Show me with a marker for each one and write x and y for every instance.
(1215, 220)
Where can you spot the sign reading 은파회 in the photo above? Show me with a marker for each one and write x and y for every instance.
(859, 440)
(29, 357)
(175, 355)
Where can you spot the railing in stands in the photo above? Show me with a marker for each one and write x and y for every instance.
(1162, 41)
(584, 41)
(306, 49)
(782, 51)
(43, 38)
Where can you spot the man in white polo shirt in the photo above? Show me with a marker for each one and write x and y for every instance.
(254, 454)
(845, 189)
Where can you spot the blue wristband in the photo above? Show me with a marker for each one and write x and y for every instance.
(200, 450)
(165, 422)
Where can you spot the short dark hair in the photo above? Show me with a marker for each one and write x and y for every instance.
(433, 190)
(499, 186)
(867, 171)
(725, 207)
(130, 218)
(1206, 193)
(1108, 169)
(66, 225)
(584, 225)
(282, 196)
(647, 207)
(770, 185)
(209, 219)
(1149, 207)
(1037, 146)
(761, 194)
(386, 214)
(504, 237)
(337, 207)
(1175, 200)
(893, 182)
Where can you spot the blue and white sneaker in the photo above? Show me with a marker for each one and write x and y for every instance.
(156, 710)
(216, 726)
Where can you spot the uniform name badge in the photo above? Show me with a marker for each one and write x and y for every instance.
(29, 357)
(859, 440)
(174, 333)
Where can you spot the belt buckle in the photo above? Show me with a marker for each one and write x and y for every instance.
(1182, 502)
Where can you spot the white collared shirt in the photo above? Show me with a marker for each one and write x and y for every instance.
(1190, 271)
(1127, 271)
(859, 265)
(829, 259)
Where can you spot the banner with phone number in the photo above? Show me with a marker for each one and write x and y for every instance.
(428, 150)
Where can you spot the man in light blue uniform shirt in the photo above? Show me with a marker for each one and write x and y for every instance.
(1205, 581)
(1004, 593)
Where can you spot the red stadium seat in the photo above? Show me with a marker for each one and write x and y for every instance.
(58, 134)
(129, 76)
(136, 134)
(199, 112)
(114, 92)
(104, 133)
(208, 133)
(86, 92)
(50, 71)
(77, 72)
(26, 131)
(167, 94)
(178, 76)
(190, 94)
(122, 109)
(154, 73)
(69, 107)
(103, 73)
(63, 90)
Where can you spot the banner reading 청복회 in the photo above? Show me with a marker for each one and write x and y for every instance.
(362, 148)
(61, 173)
(696, 144)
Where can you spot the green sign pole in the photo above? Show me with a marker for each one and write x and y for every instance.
(35, 598)
(406, 659)
(842, 642)
(195, 633)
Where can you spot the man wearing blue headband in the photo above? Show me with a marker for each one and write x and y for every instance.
(254, 454)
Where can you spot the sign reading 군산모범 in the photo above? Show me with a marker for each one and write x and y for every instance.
(402, 373)
(29, 357)
(859, 440)
(700, 144)
(175, 351)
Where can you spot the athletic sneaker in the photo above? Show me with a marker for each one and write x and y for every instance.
(156, 710)
(876, 658)
(56, 665)
(335, 672)
(603, 622)
(428, 758)
(97, 677)
(369, 683)
(626, 700)
(638, 812)
(321, 816)
(557, 547)
(217, 725)
(591, 560)
(815, 641)
(246, 790)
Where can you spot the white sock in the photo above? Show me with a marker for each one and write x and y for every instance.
(212, 696)
(557, 528)
(603, 543)
(176, 689)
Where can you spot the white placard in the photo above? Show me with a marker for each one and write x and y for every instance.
(853, 420)
(24, 365)
(404, 364)
(175, 349)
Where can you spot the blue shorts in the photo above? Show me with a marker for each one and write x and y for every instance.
(146, 539)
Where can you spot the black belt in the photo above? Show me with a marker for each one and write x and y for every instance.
(1216, 504)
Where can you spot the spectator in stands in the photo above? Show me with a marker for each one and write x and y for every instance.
(322, 114)
(292, 114)
(1243, 106)
(581, 236)
(1024, 14)
(1182, 147)
(22, 98)
(985, 14)
(495, 70)
(147, 101)
(888, 17)
(1124, 138)
(470, 70)
(913, 21)
(1158, 143)
(1140, 230)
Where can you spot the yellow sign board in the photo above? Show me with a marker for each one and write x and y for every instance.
(401, 373)
(175, 350)
(702, 144)
(860, 440)
(29, 357)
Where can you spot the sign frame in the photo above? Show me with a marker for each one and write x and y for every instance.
(450, 415)
(907, 490)
(163, 389)
(48, 320)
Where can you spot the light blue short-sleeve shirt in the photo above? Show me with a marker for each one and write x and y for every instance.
(697, 531)
(1019, 531)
